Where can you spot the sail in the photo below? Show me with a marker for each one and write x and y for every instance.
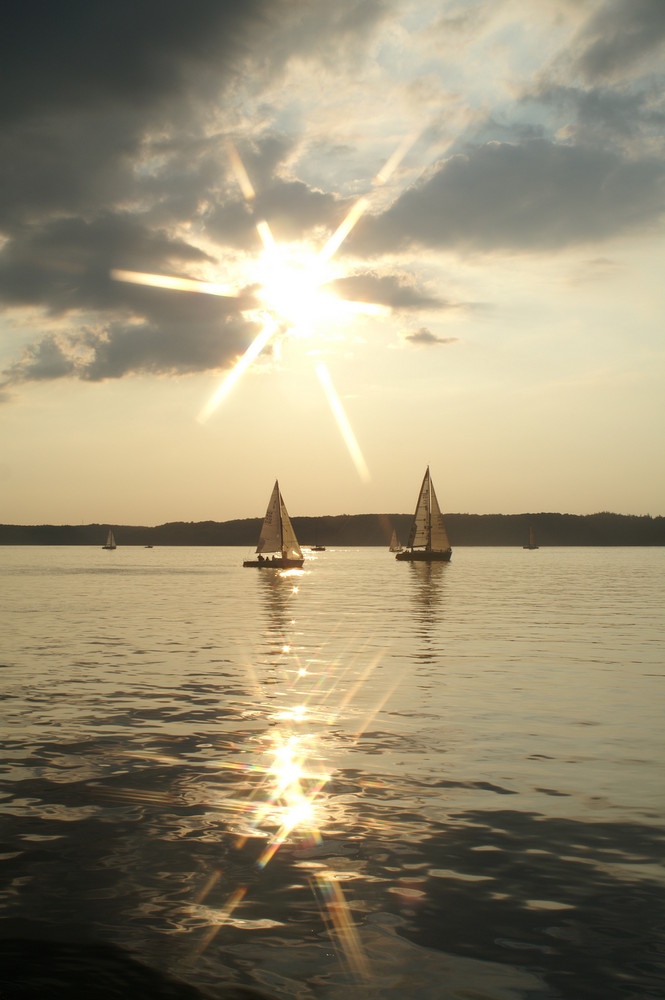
(439, 537)
(290, 547)
(277, 534)
(394, 542)
(419, 534)
(270, 539)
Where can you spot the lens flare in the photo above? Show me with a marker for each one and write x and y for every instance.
(345, 428)
(174, 284)
(241, 365)
(291, 291)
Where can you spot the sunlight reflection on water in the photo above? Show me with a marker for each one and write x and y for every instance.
(385, 773)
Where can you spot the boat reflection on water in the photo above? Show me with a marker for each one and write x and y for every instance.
(427, 591)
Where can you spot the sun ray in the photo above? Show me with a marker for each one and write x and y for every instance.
(343, 423)
(338, 917)
(292, 296)
(175, 284)
(359, 207)
(343, 230)
(242, 364)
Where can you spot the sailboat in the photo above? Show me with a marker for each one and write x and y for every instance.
(277, 547)
(428, 538)
(395, 543)
(110, 540)
(317, 547)
(532, 540)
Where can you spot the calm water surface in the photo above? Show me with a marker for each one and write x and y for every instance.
(368, 779)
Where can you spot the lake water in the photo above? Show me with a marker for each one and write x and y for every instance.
(370, 779)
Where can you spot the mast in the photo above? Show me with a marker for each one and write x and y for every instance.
(429, 512)
(281, 526)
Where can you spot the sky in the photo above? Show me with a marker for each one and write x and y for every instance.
(331, 244)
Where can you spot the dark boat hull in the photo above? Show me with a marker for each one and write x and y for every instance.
(423, 555)
(275, 563)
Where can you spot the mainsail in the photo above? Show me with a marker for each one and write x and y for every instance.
(420, 529)
(270, 539)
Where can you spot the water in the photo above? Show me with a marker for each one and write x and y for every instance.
(370, 779)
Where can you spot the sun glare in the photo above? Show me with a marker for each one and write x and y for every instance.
(292, 284)
(292, 287)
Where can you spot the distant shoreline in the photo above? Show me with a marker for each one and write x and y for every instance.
(603, 529)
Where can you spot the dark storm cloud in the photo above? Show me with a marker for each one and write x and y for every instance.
(165, 349)
(82, 54)
(106, 155)
(181, 342)
(537, 195)
(619, 36)
(291, 209)
(605, 110)
(425, 338)
(387, 290)
(65, 264)
(102, 155)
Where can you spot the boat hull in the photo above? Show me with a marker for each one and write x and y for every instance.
(274, 563)
(424, 555)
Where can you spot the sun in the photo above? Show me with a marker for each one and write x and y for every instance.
(293, 285)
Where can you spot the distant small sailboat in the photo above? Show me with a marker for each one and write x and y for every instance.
(428, 538)
(395, 545)
(277, 546)
(317, 547)
(532, 540)
(110, 541)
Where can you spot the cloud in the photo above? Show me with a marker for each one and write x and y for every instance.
(65, 264)
(425, 338)
(605, 110)
(389, 290)
(537, 195)
(45, 360)
(109, 162)
(88, 55)
(128, 348)
(292, 209)
(621, 36)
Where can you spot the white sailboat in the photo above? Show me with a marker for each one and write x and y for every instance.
(428, 538)
(277, 547)
(395, 543)
(110, 540)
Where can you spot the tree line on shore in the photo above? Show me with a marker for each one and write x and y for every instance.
(362, 529)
